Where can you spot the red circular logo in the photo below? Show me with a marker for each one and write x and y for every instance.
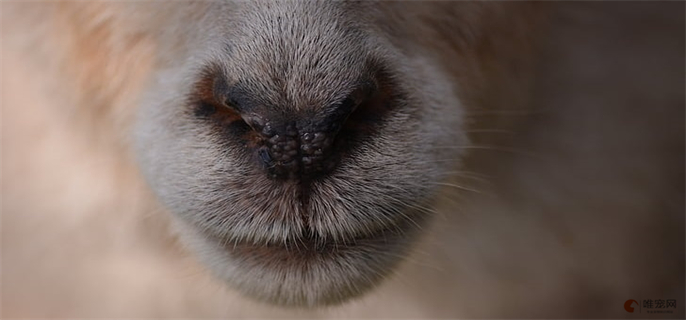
(628, 307)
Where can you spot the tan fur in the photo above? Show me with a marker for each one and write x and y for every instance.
(554, 164)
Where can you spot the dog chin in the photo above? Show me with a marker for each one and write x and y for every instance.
(306, 272)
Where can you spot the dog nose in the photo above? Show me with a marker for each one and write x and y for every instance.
(300, 143)
(299, 146)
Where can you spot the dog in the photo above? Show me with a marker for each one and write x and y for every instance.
(342, 159)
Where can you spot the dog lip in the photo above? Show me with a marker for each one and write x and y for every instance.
(308, 244)
(308, 248)
(316, 245)
(307, 270)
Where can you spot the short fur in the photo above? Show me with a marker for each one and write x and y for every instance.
(528, 161)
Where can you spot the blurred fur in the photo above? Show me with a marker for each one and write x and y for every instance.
(539, 149)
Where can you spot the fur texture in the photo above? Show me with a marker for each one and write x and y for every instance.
(511, 160)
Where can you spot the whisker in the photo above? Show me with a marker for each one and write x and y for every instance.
(415, 260)
(448, 160)
(489, 131)
(493, 148)
(476, 180)
(470, 174)
(458, 187)
(502, 112)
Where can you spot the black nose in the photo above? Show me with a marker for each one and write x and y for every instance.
(299, 146)
(296, 143)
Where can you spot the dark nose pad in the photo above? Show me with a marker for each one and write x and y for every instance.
(300, 148)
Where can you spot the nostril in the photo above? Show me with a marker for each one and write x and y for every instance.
(265, 157)
(257, 123)
(344, 112)
(340, 113)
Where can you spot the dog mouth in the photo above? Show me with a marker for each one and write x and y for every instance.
(308, 271)
(308, 248)
(271, 246)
